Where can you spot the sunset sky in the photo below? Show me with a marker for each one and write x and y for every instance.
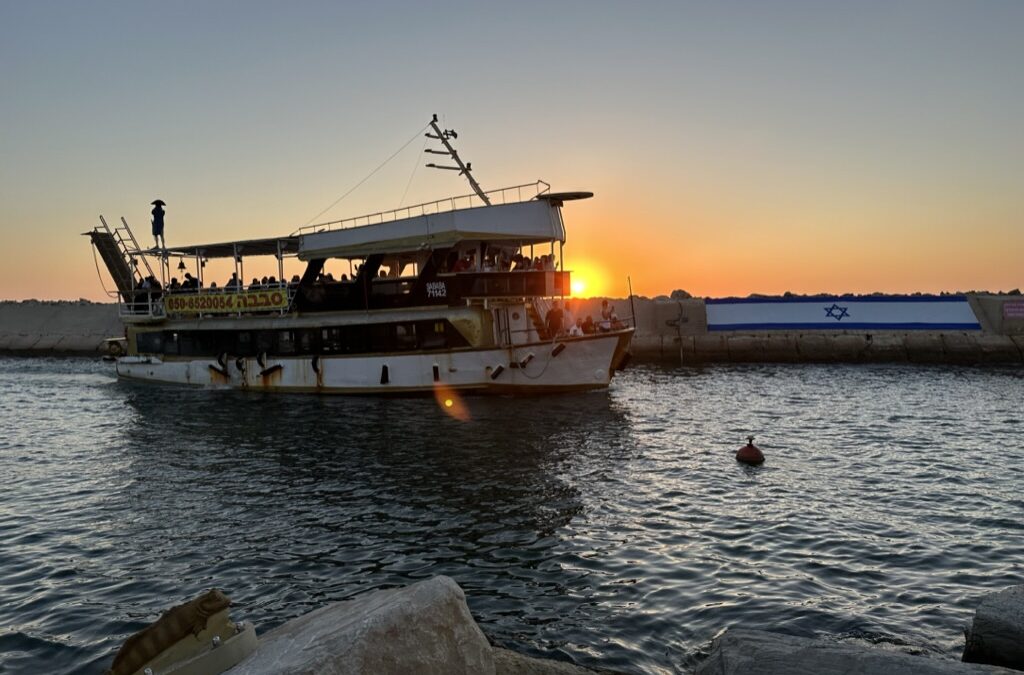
(733, 147)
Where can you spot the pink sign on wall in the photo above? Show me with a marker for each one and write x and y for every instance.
(1013, 310)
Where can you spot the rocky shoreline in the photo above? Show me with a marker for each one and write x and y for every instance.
(427, 628)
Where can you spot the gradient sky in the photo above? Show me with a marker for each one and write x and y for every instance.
(734, 147)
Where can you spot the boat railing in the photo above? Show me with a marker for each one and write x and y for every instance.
(506, 195)
(143, 305)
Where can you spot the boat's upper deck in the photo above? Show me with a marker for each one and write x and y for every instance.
(447, 252)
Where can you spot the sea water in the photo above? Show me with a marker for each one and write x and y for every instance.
(614, 529)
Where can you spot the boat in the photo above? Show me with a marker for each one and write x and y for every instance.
(447, 295)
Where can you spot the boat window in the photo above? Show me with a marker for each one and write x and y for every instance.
(285, 342)
(244, 344)
(331, 340)
(359, 339)
(432, 335)
(264, 342)
(405, 336)
(170, 343)
(307, 340)
(150, 343)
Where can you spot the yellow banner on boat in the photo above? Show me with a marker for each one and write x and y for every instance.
(226, 303)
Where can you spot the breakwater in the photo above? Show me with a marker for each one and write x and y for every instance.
(667, 330)
(677, 331)
(57, 327)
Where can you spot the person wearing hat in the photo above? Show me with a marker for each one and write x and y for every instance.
(158, 223)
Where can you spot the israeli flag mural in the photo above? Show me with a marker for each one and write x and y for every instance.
(893, 312)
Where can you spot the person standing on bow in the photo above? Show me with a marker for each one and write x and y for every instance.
(158, 223)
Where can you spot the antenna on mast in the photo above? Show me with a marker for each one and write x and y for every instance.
(463, 169)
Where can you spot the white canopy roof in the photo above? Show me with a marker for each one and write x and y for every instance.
(531, 222)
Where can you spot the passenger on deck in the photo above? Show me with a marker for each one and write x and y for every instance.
(174, 285)
(553, 319)
(213, 285)
(538, 264)
(606, 317)
(263, 282)
(576, 330)
(190, 283)
(616, 324)
(588, 325)
(233, 283)
(569, 317)
(158, 223)
(272, 282)
(344, 277)
(295, 280)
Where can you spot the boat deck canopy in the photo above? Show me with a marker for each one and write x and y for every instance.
(531, 222)
(250, 247)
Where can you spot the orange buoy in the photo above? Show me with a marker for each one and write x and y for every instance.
(750, 453)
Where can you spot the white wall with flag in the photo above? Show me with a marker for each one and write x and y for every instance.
(911, 312)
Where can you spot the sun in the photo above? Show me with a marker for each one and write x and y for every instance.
(578, 286)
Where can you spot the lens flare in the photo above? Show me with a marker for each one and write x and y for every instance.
(450, 402)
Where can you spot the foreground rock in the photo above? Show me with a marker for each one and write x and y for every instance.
(507, 662)
(422, 628)
(754, 651)
(996, 635)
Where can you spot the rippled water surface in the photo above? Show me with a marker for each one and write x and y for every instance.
(612, 529)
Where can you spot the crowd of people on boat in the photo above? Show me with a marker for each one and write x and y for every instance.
(559, 321)
(497, 260)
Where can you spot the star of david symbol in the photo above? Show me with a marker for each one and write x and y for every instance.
(837, 312)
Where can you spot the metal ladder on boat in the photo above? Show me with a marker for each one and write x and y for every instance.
(536, 310)
(115, 246)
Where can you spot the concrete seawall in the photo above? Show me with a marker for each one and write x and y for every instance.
(58, 327)
(667, 330)
(676, 331)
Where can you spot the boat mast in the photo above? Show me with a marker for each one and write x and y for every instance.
(463, 169)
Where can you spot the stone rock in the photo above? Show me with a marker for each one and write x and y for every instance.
(996, 635)
(748, 348)
(816, 347)
(960, 348)
(507, 662)
(998, 349)
(423, 628)
(711, 347)
(781, 347)
(741, 651)
(925, 347)
(882, 347)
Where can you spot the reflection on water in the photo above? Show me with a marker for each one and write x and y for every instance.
(612, 528)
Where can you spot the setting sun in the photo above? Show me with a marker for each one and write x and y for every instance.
(586, 280)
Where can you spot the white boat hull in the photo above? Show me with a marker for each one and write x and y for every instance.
(572, 364)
